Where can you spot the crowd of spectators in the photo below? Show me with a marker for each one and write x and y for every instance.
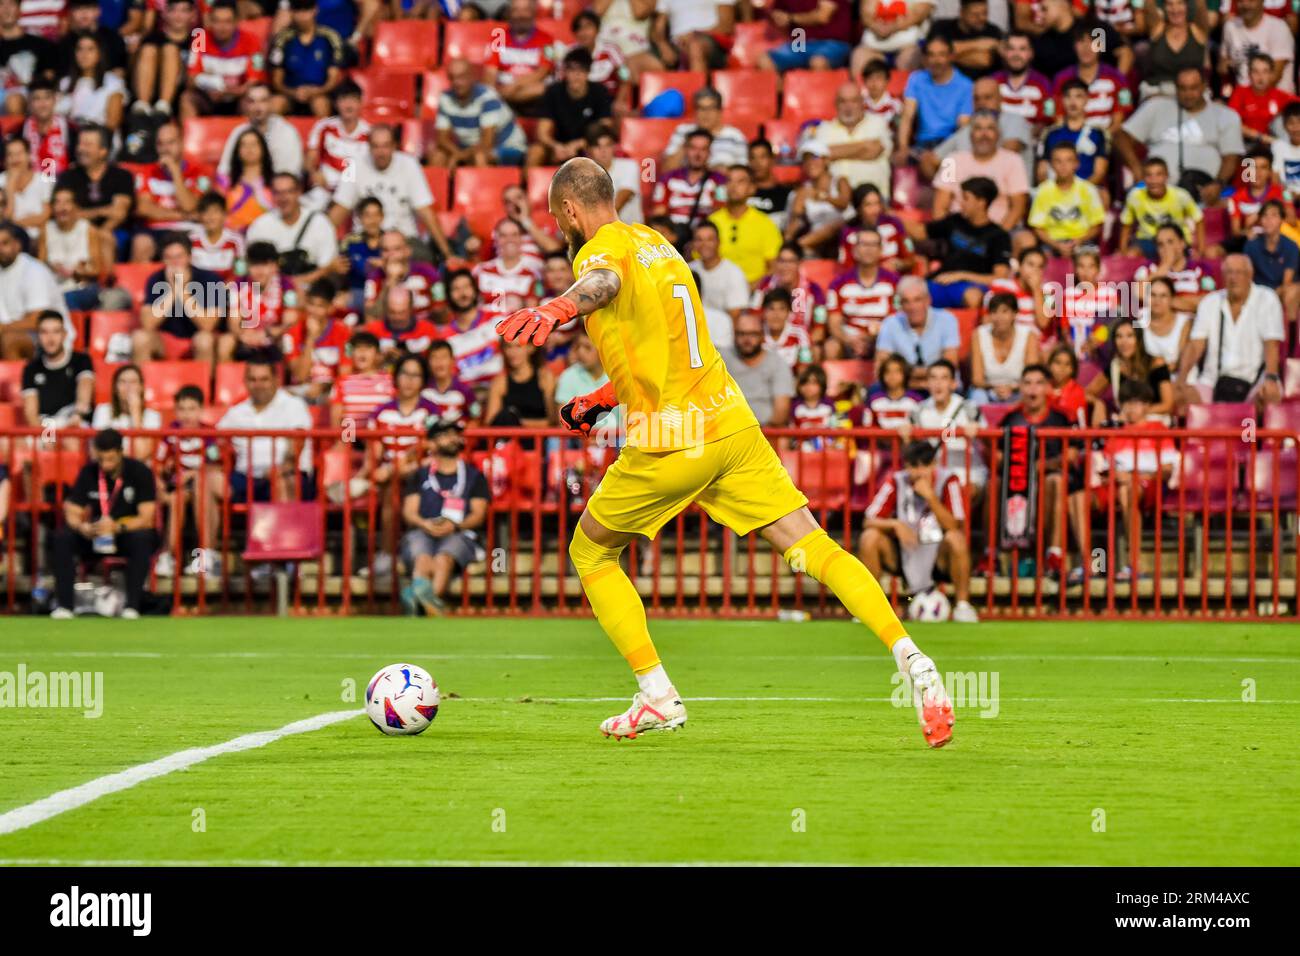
(1099, 196)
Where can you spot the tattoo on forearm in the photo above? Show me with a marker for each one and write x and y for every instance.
(595, 290)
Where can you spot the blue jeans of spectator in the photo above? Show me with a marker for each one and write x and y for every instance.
(835, 52)
(84, 299)
(261, 487)
(952, 295)
(1148, 247)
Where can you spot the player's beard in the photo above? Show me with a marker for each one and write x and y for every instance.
(576, 242)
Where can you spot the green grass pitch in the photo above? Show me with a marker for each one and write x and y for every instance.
(1112, 744)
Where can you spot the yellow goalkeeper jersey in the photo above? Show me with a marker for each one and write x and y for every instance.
(654, 344)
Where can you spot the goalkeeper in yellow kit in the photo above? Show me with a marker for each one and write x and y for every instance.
(690, 436)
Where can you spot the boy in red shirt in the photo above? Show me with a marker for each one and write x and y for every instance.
(1261, 102)
(1138, 465)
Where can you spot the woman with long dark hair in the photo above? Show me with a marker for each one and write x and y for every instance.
(90, 94)
(248, 193)
(1130, 361)
(126, 409)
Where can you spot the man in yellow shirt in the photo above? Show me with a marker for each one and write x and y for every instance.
(1153, 203)
(1067, 211)
(691, 437)
(747, 236)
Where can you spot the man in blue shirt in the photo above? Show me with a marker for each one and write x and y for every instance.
(918, 332)
(306, 63)
(936, 101)
(1275, 257)
(444, 505)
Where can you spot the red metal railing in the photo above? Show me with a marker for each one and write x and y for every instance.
(1218, 538)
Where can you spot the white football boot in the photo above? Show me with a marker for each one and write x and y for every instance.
(933, 707)
(645, 715)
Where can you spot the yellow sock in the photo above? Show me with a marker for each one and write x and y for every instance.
(818, 556)
(614, 599)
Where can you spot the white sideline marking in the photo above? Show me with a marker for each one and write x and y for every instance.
(51, 806)
(326, 655)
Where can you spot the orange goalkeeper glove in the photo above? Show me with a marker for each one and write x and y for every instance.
(536, 322)
(579, 414)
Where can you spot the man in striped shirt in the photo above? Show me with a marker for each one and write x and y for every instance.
(474, 127)
(365, 387)
(690, 194)
(861, 298)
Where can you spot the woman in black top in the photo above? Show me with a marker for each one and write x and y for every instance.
(524, 393)
(1131, 360)
(1176, 44)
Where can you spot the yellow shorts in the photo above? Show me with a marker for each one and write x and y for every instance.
(738, 480)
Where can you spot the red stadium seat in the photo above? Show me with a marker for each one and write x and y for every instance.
(784, 135)
(259, 28)
(53, 466)
(303, 125)
(1291, 379)
(688, 82)
(539, 188)
(558, 29)
(476, 195)
(747, 94)
(11, 380)
(389, 95)
(821, 475)
(1275, 477)
(1121, 268)
(641, 137)
(787, 175)
(1056, 271)
(1218, 226)
(993, 414)
(439, 180)
(1220, 415)
(162, 380)
(468, 39)
(8, 415)
(821, 271)
(131, 278)
(229, 384)
(435, 83)
(204, 138)
(898, 82)
(840, 372)
(751, 41)
(284, 531)
(405, 46)
(410, 136)
(105, 325)
(811, 93)
(967, 319)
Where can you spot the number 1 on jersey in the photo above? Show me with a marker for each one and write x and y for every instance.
(692, 331)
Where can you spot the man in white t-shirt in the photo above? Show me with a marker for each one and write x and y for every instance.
(685, 31)
(282, 139)
(396, 180)
(1238, 331)
(1253, 31)
(261, 461)
(724, 291)
(27, 288)
(289, 226)
(859, 142)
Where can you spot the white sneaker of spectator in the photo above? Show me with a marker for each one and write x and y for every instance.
(165, 566)
(381, 567)
(964, 613)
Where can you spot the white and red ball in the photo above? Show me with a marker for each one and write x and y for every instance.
(402, 699)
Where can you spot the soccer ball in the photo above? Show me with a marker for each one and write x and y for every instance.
(402, 699)
(931, 605)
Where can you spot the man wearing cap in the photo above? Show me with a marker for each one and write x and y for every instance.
(858, 143)
(444, 504)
